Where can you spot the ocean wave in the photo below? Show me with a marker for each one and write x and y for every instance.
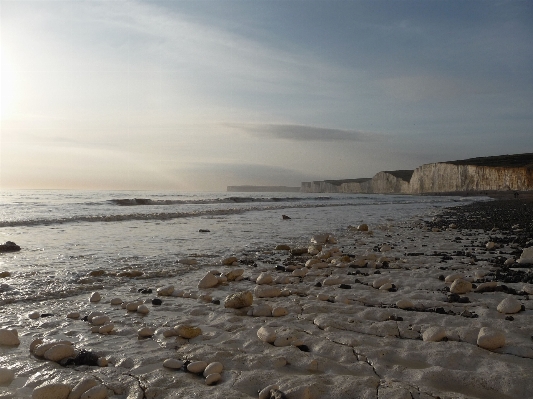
(226, 200)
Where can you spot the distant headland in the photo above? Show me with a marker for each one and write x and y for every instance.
(495, 173)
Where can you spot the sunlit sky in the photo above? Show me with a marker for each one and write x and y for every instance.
(198, 95)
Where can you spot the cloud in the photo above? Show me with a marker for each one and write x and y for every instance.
(303, 132)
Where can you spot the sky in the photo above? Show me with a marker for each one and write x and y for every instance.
(198, 95)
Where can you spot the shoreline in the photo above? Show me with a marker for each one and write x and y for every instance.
(344, 340)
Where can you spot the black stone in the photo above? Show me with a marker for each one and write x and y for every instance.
(304, 348)
(453, 298)
(84, 358)
(440, 311)
(156, 301)
(464, 299)
(510, 318)
(345, 286)
(377, 272)
(441, 277)
(280, 268)
(215, 301)
(204, 231)
(319, 284)
(47, 314)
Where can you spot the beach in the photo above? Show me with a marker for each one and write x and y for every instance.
(406, 308)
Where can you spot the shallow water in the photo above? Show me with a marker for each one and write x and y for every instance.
(66, 234)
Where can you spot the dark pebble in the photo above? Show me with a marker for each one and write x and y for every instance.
(146, 291)
(440, 311)
(441, 277)
(345, 286)
(156, 301)
(377, 272)
(84, 358)
(215, 301)
(464, 299)
(453, 298)
(47, 314)
(280, 268)
(319, 284)
(204, 231)
(510, 318)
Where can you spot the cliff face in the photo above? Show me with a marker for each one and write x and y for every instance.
(448, 177)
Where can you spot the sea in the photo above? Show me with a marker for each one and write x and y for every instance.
(64, 235)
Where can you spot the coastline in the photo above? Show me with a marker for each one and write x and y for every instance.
(341, 342)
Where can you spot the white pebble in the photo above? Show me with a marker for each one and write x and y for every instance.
(143, 309)
(214, 367)
(100, 320)
(197, 367)
(34, 315)
(59, 352)
(145, 332)
(434, 334)
(173, 364)
(266, 334)
(490, 339)
(212, 378)
(51, 391)
(106, 328)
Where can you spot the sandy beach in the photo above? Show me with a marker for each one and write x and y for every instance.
(425, 309)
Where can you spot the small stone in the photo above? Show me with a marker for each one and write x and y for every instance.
(51, 391)
(35, 343)
(434, 334)
(188, 332)
(92, 315)
(300, 272)
(59, 352)
(262, 311)
(233, 274)
(452, 277)
(174, 364)
(486, 287)
(73, 315)
(143, 309)
(266, 291)
(116, 301)
(490, 245)
(362, 227)
(385, 248)
(165, 291)
(279, 311)
(214, 367)
(239, 300)
(279, 362)
(5, 274)
(156, 301)
(197, 367)
(264, 278)
(509, 305)
(404, 304)
(229, 261)
(461, 286)
(322, 297)
(332, 281)
(208, 281)
(34, 315)
(81, 387)
(386, 287)
(100, 320)
(188, 261)
(132, 306)
(283, 341)
(266, 334)
(381, 281)
(145, 332)
(6, 376)
(213, 378)
(106, 328)
(490, 339)
(9, 337)
(97, 392)
(95, 297)
(102, 362)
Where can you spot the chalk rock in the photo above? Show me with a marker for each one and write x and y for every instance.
(51, 391)
(300, 272)
(9, 337)
(145, 332)
(434, 334)
(262, 291)
(143, 309)
(92, 315)
(262, 311)
(174, 364)
(233, 274)
(97, 392)
(279, 311)
(34, 315)
(229, 261)
(212, 378)
(197, 367)
(165, 291)
(116, 301)
(509, 305)
(239, 300)
(106, 328)
(6, 376)
(82, 387)
(320, 238)
(332, 281)
(527, 256)
(490, 339)
(266, 334)
(208, 281)
(214, 367)
(405, 304)
(452, 277)
(188, 332)
(59, 352)
(489, 286)
(264, 278)
(40, 350)
(460, 286)
(381, 281)
(95, 297)
(100, 320)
